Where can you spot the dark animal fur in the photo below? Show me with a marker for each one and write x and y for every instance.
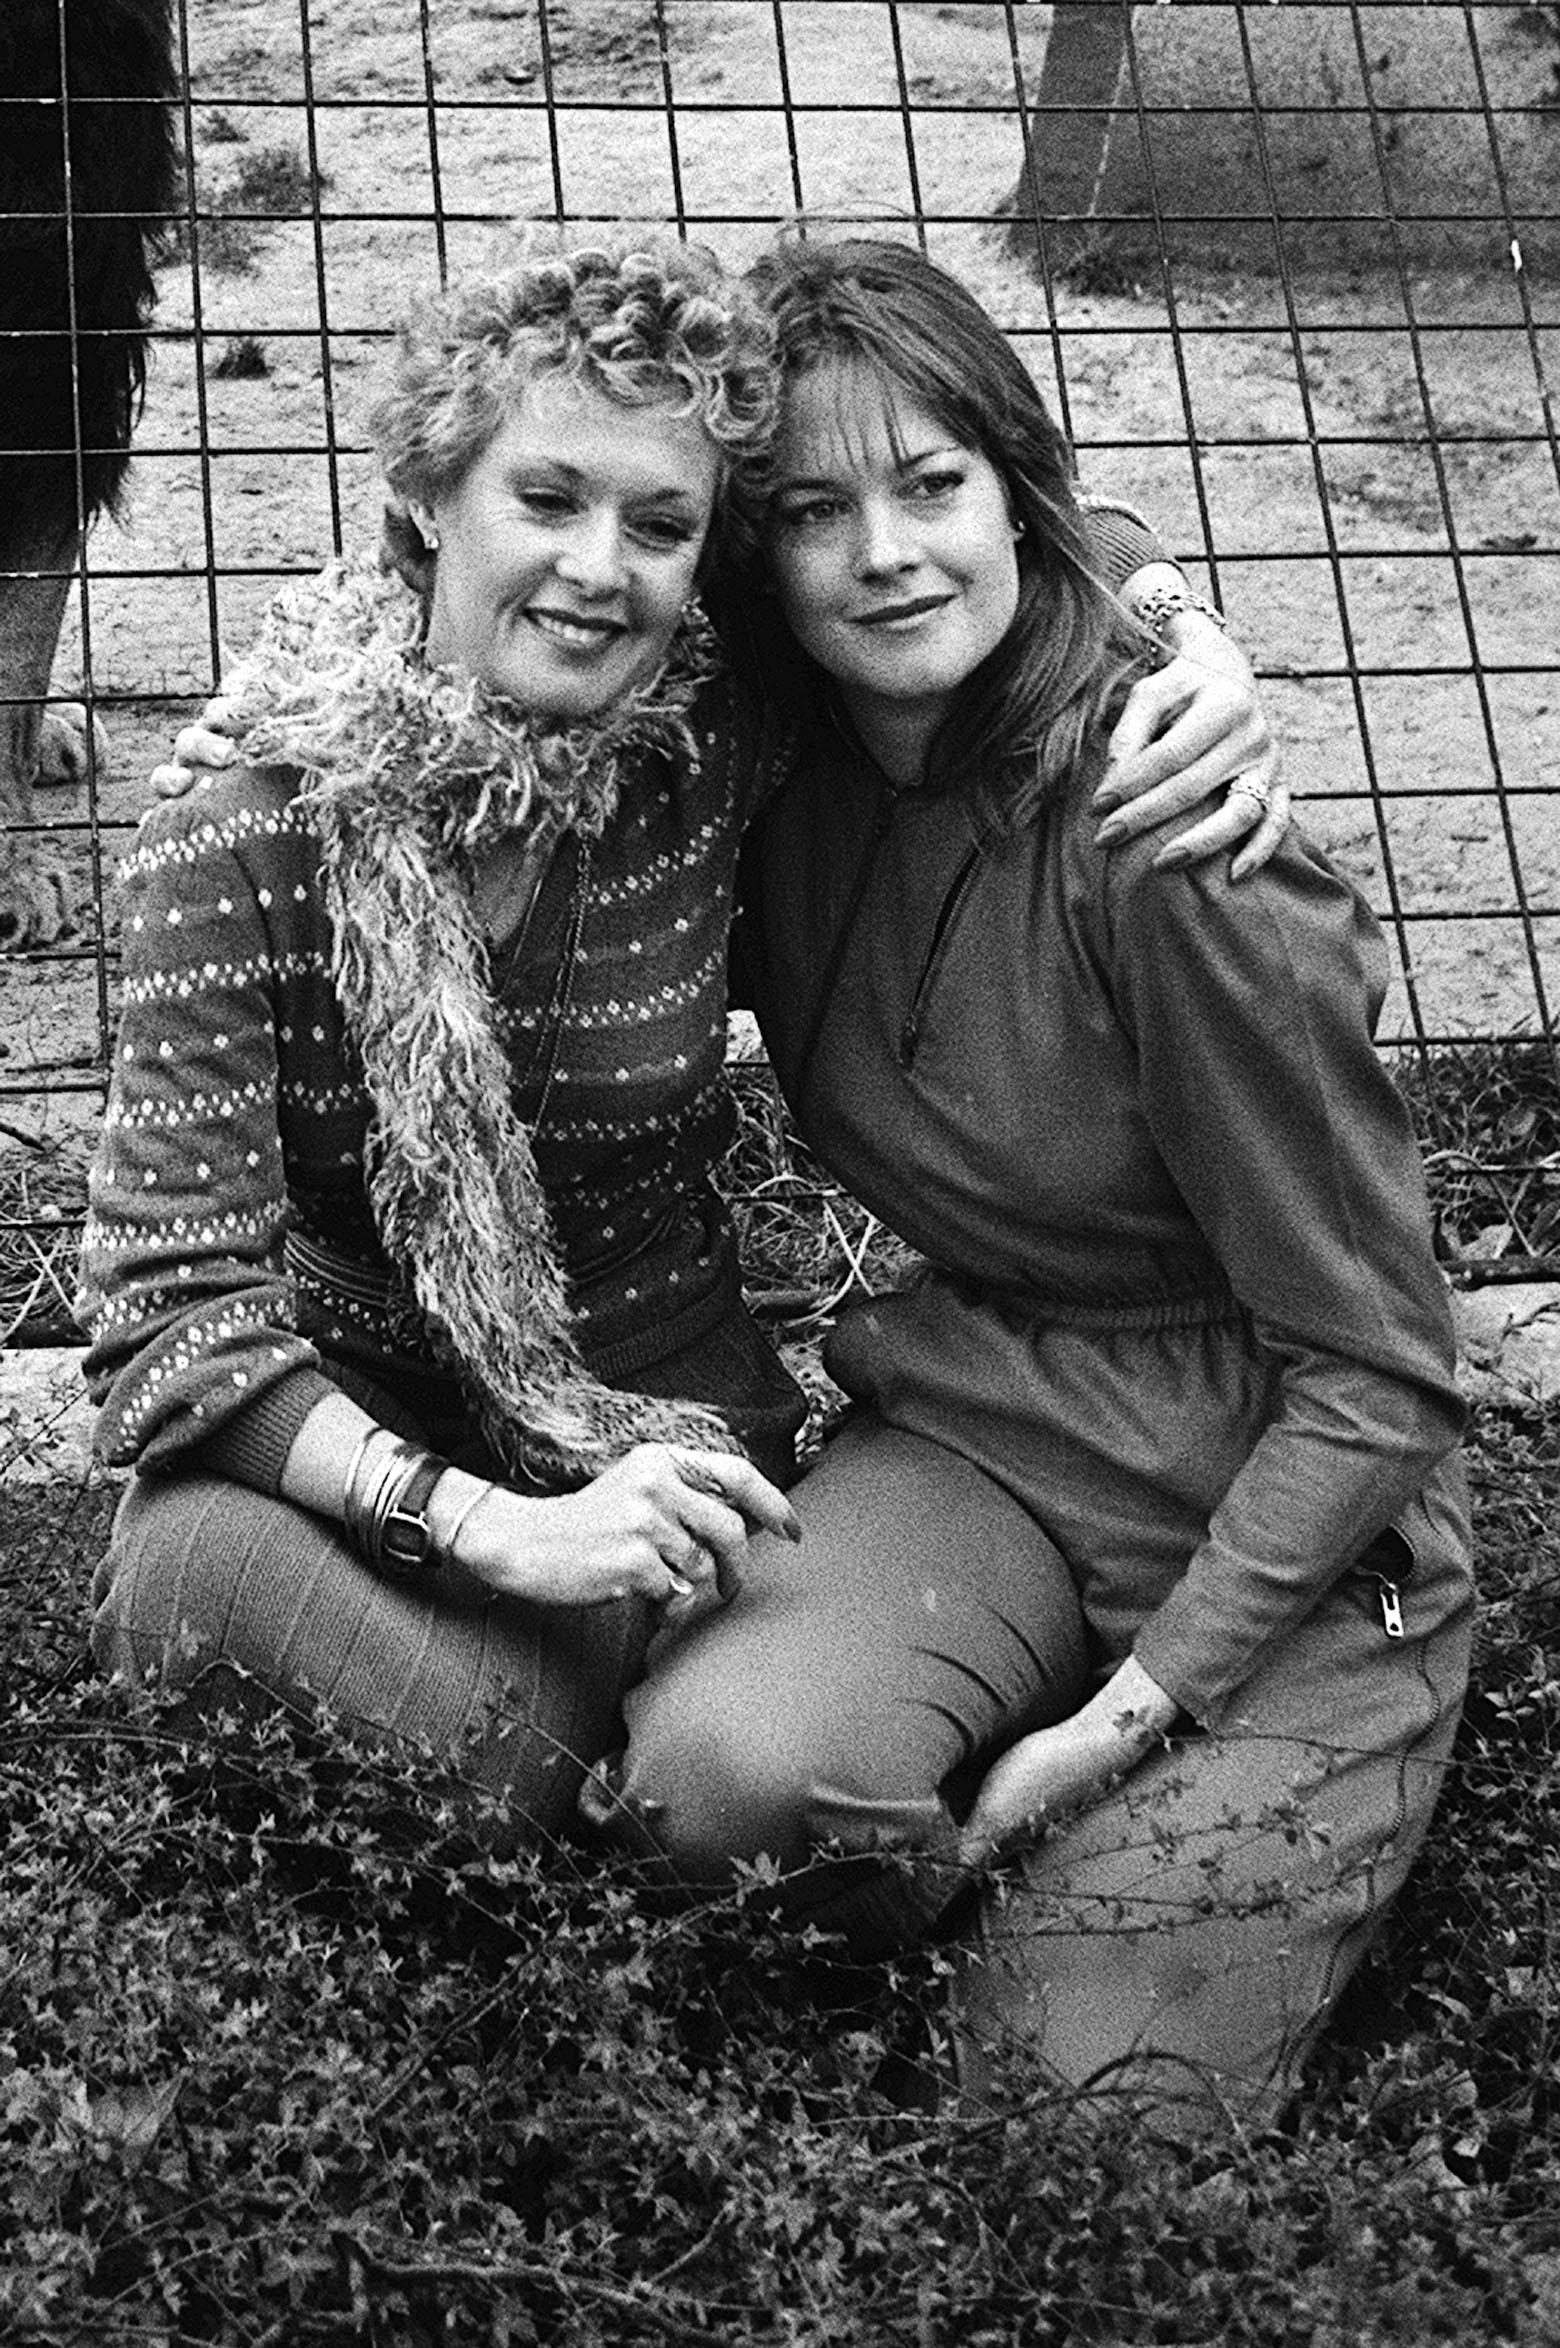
(122, 161)
(83, 83)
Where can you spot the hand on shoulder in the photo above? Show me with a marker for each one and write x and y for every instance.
(200, 752)
(1194, 739)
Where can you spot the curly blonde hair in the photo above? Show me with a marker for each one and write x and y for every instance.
(658, 326)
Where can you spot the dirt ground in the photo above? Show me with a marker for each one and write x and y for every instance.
(1285, 434)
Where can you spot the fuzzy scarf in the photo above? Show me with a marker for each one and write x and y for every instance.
(409, 775)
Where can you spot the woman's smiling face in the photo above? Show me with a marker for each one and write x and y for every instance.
(568, 548)
(892, 547)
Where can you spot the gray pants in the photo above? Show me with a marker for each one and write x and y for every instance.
(1190, 1928)
(243, 1601)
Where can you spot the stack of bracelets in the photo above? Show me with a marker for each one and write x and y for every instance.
(389, 1485)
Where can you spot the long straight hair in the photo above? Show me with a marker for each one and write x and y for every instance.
(1038, 705)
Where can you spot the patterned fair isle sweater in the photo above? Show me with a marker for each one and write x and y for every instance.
(233, 1144)
(236, 1121)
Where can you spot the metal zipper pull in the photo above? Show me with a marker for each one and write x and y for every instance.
(1391, 1608)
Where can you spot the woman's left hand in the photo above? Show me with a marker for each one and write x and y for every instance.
(1036, 1782)
(1044, 1776)
(1193, 726)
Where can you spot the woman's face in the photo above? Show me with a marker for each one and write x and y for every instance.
(892, 547)
(568, 547)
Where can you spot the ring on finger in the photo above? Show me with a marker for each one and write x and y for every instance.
(690, 1572)
(1250, 787)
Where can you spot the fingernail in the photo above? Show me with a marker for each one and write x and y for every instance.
(1109, 833)
(1105, 798)
(792, 1527)
(1171, 859)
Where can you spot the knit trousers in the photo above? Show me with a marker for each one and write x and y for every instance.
(243, 1601)
(238, 1600)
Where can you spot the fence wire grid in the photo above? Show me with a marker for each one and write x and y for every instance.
(1287, 272)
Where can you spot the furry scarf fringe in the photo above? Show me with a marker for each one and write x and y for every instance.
(409, 775)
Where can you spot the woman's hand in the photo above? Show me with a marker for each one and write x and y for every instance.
(1044, 1776)
(662, 1523)
(1195, 726)
(197, 750)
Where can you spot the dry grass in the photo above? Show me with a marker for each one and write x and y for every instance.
(1488, 1119)
(43, 1189)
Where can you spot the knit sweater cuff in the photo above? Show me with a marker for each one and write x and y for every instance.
(251, 1447)
(1123, 542)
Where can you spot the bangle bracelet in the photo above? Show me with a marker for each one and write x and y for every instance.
(1155, 610)
(396, 1473)
(382, 1472)
(354, 1470)
(405, 1543)
(386, 1502)
(472, 1502)
(374, 1464)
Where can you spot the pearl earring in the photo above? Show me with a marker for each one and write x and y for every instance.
(430, 539)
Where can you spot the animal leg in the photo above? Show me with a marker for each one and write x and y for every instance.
(36, 895)
(63, 756)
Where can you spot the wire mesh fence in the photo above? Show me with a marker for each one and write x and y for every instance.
(1286, 270)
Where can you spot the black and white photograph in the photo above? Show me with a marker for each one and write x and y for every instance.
(779, 1173)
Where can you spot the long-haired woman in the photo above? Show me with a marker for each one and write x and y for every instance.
(1142, 1558)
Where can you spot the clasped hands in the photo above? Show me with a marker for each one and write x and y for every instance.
(663, 1523)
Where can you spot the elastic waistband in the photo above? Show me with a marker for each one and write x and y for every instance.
(618, 1343)
(1161, 1312)
(669, 1333)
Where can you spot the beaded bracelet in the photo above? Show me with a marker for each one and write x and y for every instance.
(1155, 609)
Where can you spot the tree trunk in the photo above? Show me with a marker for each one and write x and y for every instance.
(1066, 152)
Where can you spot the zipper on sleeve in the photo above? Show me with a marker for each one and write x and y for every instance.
(1391, 1607)
(1388, 1563)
